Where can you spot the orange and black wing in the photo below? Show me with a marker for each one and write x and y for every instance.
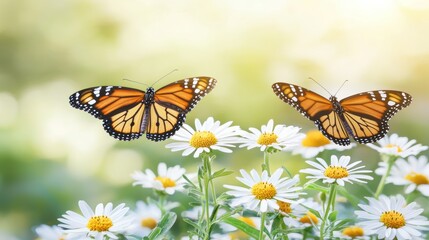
(367, 114)
(316, 108)
(121, 109)
(171, 103)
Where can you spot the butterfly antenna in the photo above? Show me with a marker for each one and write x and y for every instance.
(135, 82)
(321, 86)
(340, 87)
(165, 76)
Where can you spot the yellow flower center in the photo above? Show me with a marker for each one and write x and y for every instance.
(148, 223)
(264, 190)
(240, 234)
(309, 218)
(336, 172)
(392, 219)
(99, 223)
(166, 182)
(284, 207)
(202, 139)
(398, 149)
(353, 232)
(417, 178)
(314, 138)
(267, 139)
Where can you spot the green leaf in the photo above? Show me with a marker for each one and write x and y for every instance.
(188, 181)
(246, 228)
(167, 221)
(333, 216)
(340, 224)
(192, 222)
(313, 186)
(221, 173)
(352, 199)
(316, 213)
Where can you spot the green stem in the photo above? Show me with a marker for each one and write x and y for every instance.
(262, 227)
(389, 160)
(266, 165)
(206, 168)
(211, 182)
(161, 200)
(331, 202)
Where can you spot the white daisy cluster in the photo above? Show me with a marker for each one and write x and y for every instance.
(264, 195)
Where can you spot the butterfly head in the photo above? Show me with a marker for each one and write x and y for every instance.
(337, 106)
(149, 96)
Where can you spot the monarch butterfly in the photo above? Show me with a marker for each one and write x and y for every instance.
(127, 113)
(363, 116)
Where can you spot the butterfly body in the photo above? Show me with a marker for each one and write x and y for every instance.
(362, 116)
(128, 113)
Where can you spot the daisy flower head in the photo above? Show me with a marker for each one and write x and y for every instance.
(146, 218)
(263, 191)
(105, 221)
(280, 137)
(315, 142)
(352, 232)
(413, 173)
(45, 232)
(391, 217)
(338, 171)
(168, 180)
(398, 146)
(207, 136)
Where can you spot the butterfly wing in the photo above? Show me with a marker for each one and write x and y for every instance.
(121, 109)
(316, 108)
(368, 113)
(171, 103)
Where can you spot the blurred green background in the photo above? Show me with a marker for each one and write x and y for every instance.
(52, 155)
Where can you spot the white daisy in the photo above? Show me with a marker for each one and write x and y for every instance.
(104, 221)
(391, 217)
(413, 173)
(339, 171)
(208, 136)
(146, 218)
(352, 232)
(45, 232)
(398, 146)
(315, 142)
(297, 215)
(280, 137)
(264, 191)
(168, 180)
